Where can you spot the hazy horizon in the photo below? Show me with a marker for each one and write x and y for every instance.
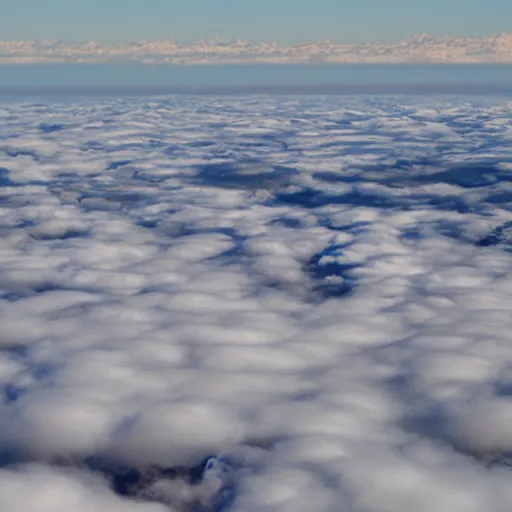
(270, 78)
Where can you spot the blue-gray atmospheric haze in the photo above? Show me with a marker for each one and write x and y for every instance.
(336, 78)
(317, 289)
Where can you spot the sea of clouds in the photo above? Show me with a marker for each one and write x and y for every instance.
(317, 289)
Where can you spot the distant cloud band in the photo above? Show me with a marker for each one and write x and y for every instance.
(420, 48)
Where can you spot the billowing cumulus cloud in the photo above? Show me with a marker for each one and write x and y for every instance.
(317, 290)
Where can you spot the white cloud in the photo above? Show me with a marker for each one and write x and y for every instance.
(36, 487)
(496, 48)
(154, 315)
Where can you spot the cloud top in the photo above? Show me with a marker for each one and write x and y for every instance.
(316, 290)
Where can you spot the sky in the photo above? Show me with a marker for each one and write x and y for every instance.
(284, 21)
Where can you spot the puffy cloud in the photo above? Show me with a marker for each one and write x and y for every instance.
(331, 316)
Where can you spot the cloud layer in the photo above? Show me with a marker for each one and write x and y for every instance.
(318, 289)
(420, 48)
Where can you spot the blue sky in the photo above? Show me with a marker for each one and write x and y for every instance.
(284, 21)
